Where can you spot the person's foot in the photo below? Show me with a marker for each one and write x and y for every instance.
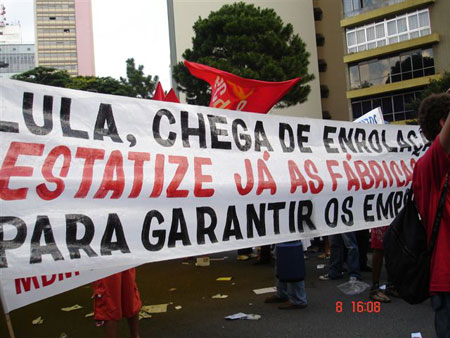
(274, 299)
(323, 256)
(391, 290)
(354, 279)
(379, 296)
(289, 306)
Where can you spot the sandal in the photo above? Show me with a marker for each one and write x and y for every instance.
(379, 296)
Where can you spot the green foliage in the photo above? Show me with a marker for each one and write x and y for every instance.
(435, 87)
(45, 75)
(135, 85)
(105, 85)
(143, 86)
(249, 42)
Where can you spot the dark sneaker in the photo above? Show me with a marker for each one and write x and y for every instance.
(274, 299)
(289, 306)
(391, 290)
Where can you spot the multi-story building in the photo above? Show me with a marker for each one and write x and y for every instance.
(393, 48)
(184, 13)
(330, 51)
(15, 57)
(64, 35)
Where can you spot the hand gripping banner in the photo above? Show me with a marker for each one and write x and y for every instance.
(90, 180)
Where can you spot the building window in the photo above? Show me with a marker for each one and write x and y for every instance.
(352, 5)
(324, 91)
(318, 14)
(322, 66)
(401, 28)
(395, 107)
(406, 66)
(320, 40)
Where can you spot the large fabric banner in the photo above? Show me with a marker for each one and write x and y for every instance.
(21, 291)
(91, 181)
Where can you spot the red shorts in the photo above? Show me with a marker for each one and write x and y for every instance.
(116, 296)
(377, 235)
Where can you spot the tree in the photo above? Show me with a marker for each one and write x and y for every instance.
(434, 87)
(46, 76)
(141, 85)
(136, 83)
(105, 85)
(249, 42)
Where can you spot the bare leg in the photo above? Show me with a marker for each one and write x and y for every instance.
(110, 329)
(377, 263)
(133, 324)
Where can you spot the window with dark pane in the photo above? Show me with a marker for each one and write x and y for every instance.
(386, 105)
(356, 109)
(366, 106)
(406, 67)
(398, 103)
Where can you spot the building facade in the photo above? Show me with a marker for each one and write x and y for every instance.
(64, 35)
(330, 51)
(393, 48)
(16, 59)
(10, 33)
(184, 13)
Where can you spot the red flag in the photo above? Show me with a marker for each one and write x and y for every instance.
(160, 96)
(229, 91)
(159, 93)
(171, 97)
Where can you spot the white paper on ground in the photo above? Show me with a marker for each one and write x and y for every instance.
(265, 290)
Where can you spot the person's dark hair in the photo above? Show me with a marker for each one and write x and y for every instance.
(432, 109)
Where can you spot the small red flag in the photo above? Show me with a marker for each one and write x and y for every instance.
(229, 91)
(159, 93)
(171, 97)
(160, 96)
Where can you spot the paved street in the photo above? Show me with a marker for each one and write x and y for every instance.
(202, 316)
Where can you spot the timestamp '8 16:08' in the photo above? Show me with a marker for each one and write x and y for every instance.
(361, 307)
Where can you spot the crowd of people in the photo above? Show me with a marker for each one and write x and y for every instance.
(117, 296)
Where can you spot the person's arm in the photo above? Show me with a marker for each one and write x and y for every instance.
(444, 135)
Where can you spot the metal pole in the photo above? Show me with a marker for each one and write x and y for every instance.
(172, 42)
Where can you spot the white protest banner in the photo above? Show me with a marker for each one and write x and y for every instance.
(18, 292)
(90, 180)
(375, 116)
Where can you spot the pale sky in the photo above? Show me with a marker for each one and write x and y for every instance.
(122, 29)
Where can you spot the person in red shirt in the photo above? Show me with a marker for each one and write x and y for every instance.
(429, 177)
(117, 296)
